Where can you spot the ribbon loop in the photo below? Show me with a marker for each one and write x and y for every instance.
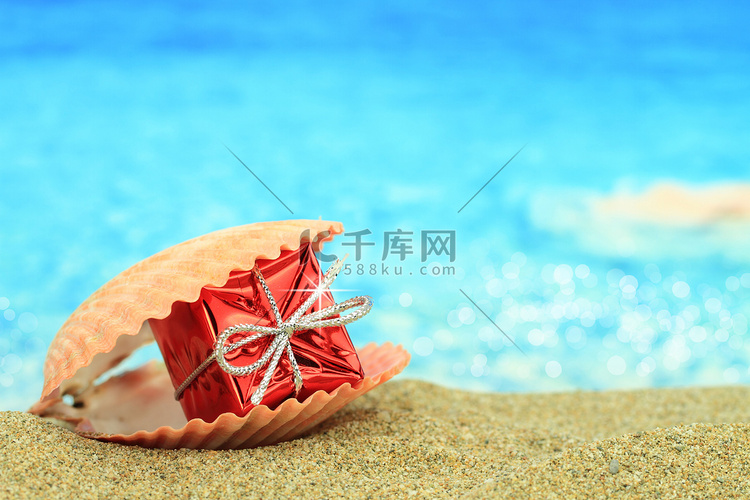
(282, 334)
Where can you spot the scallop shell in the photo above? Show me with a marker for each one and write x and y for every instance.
(113, 322)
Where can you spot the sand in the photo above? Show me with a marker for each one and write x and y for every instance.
(411, 438)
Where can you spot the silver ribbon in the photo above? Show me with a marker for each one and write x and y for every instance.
(282, 333)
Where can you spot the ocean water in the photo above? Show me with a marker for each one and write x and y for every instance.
(116, 118)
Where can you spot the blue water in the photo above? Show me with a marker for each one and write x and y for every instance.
(390, 116)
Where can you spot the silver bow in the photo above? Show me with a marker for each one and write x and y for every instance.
(282, 332)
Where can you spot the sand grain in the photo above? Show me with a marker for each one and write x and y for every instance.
(413, 438)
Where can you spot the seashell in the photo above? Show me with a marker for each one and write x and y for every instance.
(113, 322)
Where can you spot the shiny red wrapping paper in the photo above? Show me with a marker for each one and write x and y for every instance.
(326, 356)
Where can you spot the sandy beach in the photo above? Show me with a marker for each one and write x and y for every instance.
(411, 438)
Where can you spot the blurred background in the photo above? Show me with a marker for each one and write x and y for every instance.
(613, 249)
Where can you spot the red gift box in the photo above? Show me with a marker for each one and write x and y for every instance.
(187, 339)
